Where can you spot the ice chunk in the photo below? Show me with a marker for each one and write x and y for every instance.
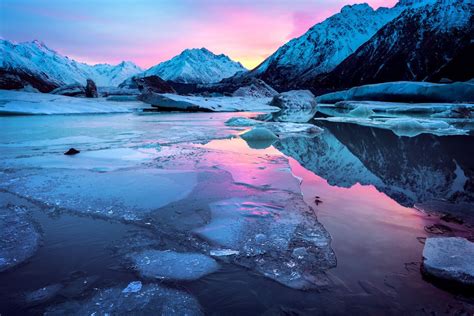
(404, 91)
(223, 252)
(124, 194)
(19, 239)
(170, 265)
(404, 126)
(361, 111)
(133, 287)
(152, 299)
(241, 121)
(265, 232)
(25, 103)
(297, 106)
(175, 102)
(259, 137)
(449, 259)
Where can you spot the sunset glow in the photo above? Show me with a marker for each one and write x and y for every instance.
(148, 32)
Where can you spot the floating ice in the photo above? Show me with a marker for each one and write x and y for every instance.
(223, 252)
(404, 91)
(133, 287)
(170, 265)
(265, 231)
(22, 103)
(19, 238)
(152, 299)
(259, 138)
(124, 194)
(297, 106)
(449, 259)
(43, 294)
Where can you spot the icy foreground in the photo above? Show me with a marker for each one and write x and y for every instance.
(170, 265)
(449, 259)
(150, 299)
(26, 103)
(19, 238)
(199, 198)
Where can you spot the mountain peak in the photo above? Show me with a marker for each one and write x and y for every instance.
(196, 65)
(360, 7)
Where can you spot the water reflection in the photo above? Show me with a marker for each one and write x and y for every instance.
(409, 170)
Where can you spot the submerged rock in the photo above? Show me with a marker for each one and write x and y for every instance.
(449, 259)
(150, 299)
(43, 294)
(19, 238)
(91, 89)
(170, 265)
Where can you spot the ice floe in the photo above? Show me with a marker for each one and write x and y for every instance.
(25, 103)
(150, 299)
(19, 238)
(404, 91)
(171, 265)
(123, 194)
(297, 106)
(404, 126)
(174, 102)
(449, 259)
(264, 233)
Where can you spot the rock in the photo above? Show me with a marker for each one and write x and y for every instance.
(71, 90)
(449, 259)
(152, 84)
(258, 89)
(151, 299)
(19, 238)
(91, 89)
(43, 294)
(16, 79)
(297, 106)
(170, 265)
(72, 151)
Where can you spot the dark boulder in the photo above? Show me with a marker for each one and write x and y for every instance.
(91, 89)
(12, 79)
(71, 152)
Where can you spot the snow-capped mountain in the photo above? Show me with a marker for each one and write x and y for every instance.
(324, 45)
(36, 64)
(196, 66)
(417, 45)
(327, 44)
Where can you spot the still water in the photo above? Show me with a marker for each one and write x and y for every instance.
(188, 183)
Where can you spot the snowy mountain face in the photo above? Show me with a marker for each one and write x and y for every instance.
(196, 66)
(323, 46)
(415, 46)
(35, 60)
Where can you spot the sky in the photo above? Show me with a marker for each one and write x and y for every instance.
(151, 31)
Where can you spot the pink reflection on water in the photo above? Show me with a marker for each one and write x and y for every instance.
(374, 237)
